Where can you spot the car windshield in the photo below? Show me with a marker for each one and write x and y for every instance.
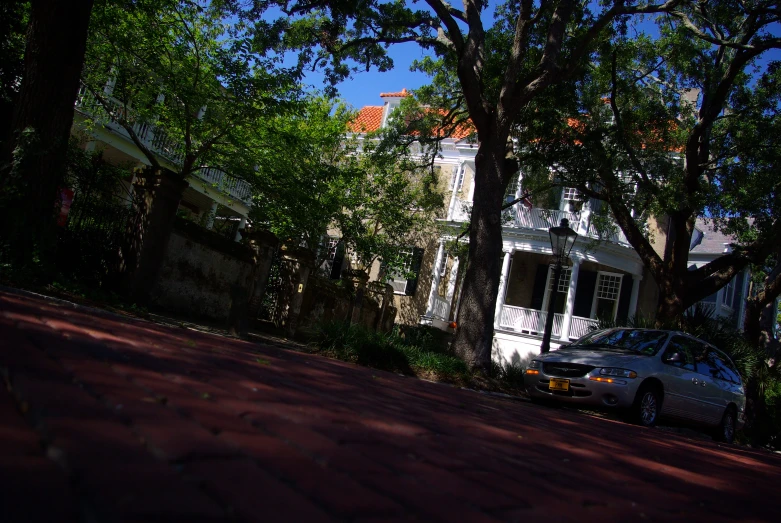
(641, 341)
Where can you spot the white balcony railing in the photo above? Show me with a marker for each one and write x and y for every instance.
(543, 219)
(530, 321)
(441, 308)
(157, 141)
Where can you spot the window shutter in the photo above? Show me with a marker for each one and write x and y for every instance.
(336, 268)
(584, 293)
(412, 283)
(622, 314)
(538, 292)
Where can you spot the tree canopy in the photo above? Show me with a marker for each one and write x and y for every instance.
(670, 129)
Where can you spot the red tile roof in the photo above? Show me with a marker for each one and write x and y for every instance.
(404, 93)
(368, 120)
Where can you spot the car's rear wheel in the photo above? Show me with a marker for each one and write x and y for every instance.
(647, 406)
(726, 429)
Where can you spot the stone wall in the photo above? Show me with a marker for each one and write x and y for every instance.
(326, 301)
(199, 270)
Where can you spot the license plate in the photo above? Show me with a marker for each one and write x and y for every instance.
(559, 384)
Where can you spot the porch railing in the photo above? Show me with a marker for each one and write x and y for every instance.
(580, 326)
(530, 321)
(441, 308)
(157, 141)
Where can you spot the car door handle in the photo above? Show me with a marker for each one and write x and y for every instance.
(698, 382)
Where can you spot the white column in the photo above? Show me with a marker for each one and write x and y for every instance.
(242, 225)
(633, 297)
(435, 280)
(508, 255)
(451, 209)
(212, 214)
(570, 307)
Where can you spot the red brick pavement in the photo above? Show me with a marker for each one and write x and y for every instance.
(104, 418)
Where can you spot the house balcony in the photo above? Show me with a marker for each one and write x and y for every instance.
(580, 222)
(158, 142)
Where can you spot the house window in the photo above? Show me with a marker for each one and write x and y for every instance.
(458, 178)
(728, 293)
(333, 257)
(606, 297)
(405, 280)
(570, 200)
(562, 289)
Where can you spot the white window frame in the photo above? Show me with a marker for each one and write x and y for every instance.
(400, 279)
(728, 289)
(595, 298)
(566, 276)
(570, 199)
(457, 183)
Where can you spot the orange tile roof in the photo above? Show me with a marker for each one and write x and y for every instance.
(368, 120)
(404, 93)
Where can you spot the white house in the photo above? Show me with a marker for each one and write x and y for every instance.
(604, 279)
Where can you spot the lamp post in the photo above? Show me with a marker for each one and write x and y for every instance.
(562, 238)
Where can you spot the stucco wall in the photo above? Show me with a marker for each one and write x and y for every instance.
(196, 278)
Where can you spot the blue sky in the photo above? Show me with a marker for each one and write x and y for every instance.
(365, 87)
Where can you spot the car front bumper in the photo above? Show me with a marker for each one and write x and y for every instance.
(583, 390)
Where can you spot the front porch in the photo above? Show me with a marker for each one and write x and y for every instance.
(596, 285)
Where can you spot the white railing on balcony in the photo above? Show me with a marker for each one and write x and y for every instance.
(544, 218)
(441, 308)
(157, 141)
(530, 321)
(617, 237)
(580, 326)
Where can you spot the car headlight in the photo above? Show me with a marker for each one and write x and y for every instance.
(618, 373)
(535, 364)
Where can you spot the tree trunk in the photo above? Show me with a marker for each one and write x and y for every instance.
(672, 303)
(33, 161)
(474, 337)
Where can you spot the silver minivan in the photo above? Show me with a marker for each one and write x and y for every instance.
(647, 373)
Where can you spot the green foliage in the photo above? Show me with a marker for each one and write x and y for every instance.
(312, 176)
(388, 351)
(418, 351)
(186, 68)
(676, 124)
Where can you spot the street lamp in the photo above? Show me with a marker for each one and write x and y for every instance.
(562, 238)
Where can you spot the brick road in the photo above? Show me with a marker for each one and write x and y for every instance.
(108, 419)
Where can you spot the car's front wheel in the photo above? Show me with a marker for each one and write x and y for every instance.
(647, 406)
(726, 429)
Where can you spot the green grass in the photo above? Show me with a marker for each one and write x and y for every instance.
(417, 352)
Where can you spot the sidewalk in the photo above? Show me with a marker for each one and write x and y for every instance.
(108, 419)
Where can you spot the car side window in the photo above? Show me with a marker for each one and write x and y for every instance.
(726, 370)
(679, 353)
(707, 361)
